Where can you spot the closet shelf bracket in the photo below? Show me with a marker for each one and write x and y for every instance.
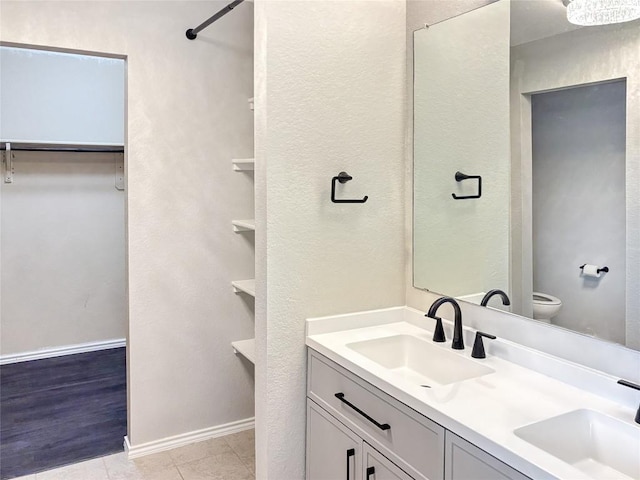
(7, 163)
(8, 169)
(119, 171)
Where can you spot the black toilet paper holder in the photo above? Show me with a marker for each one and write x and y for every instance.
(603, 269)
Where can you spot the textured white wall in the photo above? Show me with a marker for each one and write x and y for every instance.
(461, 123)
(63, 272)
(60, 98)
(63, 265)
(187, 117)
(329, 97)
(579, 211)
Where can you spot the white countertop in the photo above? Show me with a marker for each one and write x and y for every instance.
(484, 410)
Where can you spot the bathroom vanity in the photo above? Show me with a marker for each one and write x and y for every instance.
(342, 437)
(386, 402)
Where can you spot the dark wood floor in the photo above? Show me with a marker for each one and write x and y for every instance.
(61, 410)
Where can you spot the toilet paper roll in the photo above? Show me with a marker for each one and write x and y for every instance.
(590, 271)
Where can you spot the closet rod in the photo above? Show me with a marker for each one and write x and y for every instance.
(60, 148)
(192, 33)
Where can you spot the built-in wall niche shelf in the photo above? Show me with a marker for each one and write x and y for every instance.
(250, 103)
(243, 225)
(246, 348)
(246, 286)
(243, 164)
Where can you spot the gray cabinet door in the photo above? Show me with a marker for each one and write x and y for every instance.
(378, 467)
(465, 461)
(333, 451)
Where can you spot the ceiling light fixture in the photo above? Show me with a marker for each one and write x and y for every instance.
(602, 12)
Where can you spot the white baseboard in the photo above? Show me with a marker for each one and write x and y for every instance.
(61, 351)
(183, 439)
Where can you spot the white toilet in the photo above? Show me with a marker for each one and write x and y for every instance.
(545, 306)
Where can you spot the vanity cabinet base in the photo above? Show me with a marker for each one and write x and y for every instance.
(373, 436)
(408, 439)
(378, 467)
(334, 452)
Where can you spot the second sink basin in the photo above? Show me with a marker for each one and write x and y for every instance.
(418, 361)
(600, 446)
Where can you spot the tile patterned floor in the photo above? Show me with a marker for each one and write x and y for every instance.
(225, 458)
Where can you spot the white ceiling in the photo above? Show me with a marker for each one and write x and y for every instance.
(535, 19)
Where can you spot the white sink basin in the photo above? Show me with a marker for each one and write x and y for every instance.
(599, 445)
(418, 361)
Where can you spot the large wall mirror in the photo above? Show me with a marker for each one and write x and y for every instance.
(527, 165)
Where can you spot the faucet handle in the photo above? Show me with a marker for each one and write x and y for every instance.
(635, 386)
(438, 333)
(478, 346)
(629, 384)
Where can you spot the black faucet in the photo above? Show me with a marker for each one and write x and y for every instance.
(636, 387)
(491, 293)
(458, 342)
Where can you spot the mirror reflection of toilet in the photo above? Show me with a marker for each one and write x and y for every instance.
(545, 306)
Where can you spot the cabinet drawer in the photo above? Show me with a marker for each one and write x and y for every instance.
(400, 433)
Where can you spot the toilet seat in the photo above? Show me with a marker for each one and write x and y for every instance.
(545, 299)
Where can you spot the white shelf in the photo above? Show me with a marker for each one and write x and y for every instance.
(243, 164)
(246, 348)
(243, 225)
(246, 286)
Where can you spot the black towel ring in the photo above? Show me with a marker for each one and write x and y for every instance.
(459, 178)
(343, 177)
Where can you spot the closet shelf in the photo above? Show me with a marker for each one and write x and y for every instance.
(243, 164)
(243, 225)
(246, 286)
(246, 348)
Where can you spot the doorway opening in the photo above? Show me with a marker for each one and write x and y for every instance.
(63, 383)
(579, 206)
